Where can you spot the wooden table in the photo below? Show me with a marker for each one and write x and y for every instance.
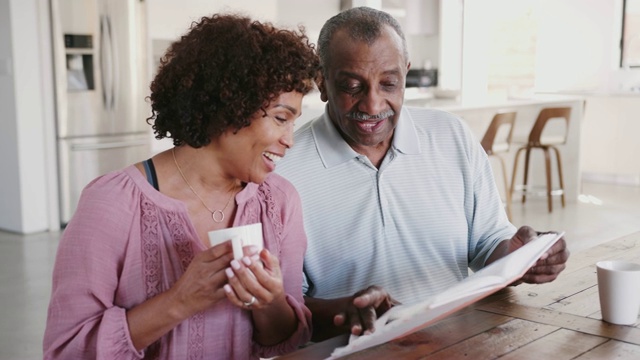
(558, 320)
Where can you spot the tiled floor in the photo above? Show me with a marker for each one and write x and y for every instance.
(605, 212)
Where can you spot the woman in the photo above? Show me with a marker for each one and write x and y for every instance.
(135, 276)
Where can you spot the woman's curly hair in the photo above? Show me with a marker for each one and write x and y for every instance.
(224, 70)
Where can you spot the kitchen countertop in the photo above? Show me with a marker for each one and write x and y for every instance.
(454, 105)
(478, 114)
(598, 93)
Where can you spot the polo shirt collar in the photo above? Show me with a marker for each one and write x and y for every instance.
(334, 150)
(405, 138)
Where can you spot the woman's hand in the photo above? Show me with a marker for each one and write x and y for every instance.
(201, 286)
(255, 283)
(198, 288)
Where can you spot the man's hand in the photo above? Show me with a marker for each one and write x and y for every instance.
(364, 309)
(550, 264)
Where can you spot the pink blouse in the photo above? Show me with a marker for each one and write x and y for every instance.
(128, 242)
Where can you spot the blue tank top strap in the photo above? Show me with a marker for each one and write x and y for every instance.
(150, 170)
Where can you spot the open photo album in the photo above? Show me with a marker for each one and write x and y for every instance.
(402, 320)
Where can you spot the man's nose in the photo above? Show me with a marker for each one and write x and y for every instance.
(373, 102)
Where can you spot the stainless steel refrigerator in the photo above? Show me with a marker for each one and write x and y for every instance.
(101, 81)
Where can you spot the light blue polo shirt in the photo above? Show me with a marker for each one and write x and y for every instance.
(415, 226)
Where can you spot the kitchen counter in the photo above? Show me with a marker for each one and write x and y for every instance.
(454, 105)
(609, 135)
(601, 93)
(478, 115)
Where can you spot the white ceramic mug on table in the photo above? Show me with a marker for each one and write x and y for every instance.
(619, 291)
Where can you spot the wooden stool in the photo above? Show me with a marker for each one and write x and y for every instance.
(497, 139)
(537, 140)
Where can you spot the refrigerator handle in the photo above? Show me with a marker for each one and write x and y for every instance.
(114, 63)
(60, 69)
(106, 63)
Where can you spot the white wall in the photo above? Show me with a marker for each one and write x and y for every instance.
(475, 59)
(310, 13)
(578, 45)
(590, 65)
(168, 19)
(609, 145)
(24, 188)
(450, 44)
(9, 179)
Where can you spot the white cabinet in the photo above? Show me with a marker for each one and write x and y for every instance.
(417, 17)
(422, 17)
(609, 139)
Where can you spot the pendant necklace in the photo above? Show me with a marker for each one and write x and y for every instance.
(216, 215)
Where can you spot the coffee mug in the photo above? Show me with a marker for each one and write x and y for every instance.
(619, 291)
(240, 237)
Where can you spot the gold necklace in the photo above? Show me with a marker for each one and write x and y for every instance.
(216, 215)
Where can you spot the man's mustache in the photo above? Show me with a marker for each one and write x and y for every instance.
(360, 116)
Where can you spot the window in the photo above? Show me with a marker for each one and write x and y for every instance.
(630, 42)
(499, 48)
(512, 50)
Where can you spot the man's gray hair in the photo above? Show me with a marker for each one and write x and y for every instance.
(362, 24)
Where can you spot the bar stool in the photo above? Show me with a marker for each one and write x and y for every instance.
(537, 140)
(497, 139)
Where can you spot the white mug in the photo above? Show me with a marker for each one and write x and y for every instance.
(619, 291)
(240, 237)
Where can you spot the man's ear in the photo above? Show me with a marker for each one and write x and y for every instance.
(322, 87)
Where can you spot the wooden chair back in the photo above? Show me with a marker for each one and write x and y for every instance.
(546, 114)
(499, 120)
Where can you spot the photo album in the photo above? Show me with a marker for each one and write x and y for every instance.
(402, 320)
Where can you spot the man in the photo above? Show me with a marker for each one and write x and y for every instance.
(400, 198)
